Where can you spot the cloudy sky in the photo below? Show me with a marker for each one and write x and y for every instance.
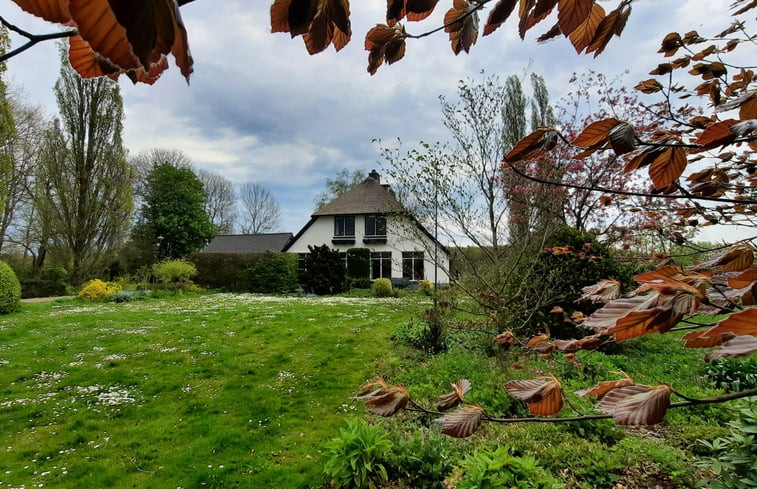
(259, 108)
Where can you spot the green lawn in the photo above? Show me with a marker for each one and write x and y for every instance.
(196, 391)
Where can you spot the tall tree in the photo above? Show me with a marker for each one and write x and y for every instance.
(86, 198)
(220, 203)
(173, 220)
(260, 213)
(144, 161)
(339, 184)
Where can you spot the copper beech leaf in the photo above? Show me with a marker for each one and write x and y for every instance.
(718, 134)
(742, 323)
(505, 340)
(50, 10)
(462, 33)
(371, 389)
(572, 13)
(452, 399)
(623, 138)
(463, 422)
(541, 140)
(389, 402)
(637, 404)
(744, 279)
(739, 346)
(668, 166)
(582, 35)
(498, 15)
(603, 292)
(385, 44)
(542, 395)
(596, 133)
(602, 388)
(608, 316)
(417, 10)
(736, 258)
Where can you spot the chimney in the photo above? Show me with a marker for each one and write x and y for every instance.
(374, 175)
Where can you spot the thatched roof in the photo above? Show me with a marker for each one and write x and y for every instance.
(368, 197)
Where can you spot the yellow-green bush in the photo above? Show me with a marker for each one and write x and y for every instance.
(425, 287)
(172, 271)
(10, 289)
(382, 287)
(97, 289)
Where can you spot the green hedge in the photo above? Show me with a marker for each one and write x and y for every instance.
(31, 288)
(10, 289)
(359, 263)
(224, 270)
(273, 274)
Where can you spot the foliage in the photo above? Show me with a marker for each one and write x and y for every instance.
(224, 270)
(339, 184)
(359, 263)
(500, 470)
(33, 287)
(173, 220)
(83, 183)
(733, 374)
(97, 289)
(382, 287)
(425, 333)
(10, 289)
(357, 457)
(324, 270)
(423, 459)
(174, 271)
(735, 460)
(273, 273)
(425, 287)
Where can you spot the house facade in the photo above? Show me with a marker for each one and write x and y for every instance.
(369, 216)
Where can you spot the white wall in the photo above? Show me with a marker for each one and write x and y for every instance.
(402, 235)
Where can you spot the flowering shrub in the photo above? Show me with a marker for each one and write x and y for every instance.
(425, 287)
(171, 271)
(97, 289)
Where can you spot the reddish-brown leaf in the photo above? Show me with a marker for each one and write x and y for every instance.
(744, 279)
(385, 44)
(737, 258)
(463, 422)
(541, 140)
(604, 32)
(668, 166)
(499, 15)
(595, 133)
(608, 316)
(371, 389)
(748, 109)
(739, 346)
(505, 340)
(388, 403)
(649, 86)
(702, 339)
(718, 134)
(448, 401)
(543, 395)
(582, 35)
(50, 10)
(417, 10)
(623, 138)
(637, 404)
(640, 323)
(536, 340)
(395, 11)
(742, 323)
(88, 63)
(602, 388)
(572, 13)
(331, 23)
(603, 291)
(463, 33)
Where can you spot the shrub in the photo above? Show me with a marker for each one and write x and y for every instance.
(422, 461)
(359, 283)
(356, 457)
(735, 466)
(224, 270)
(500, 470)
(358, 264)
(382, 287)
(10, 289)
(425, 287)
(273, 274)
(174, 271)
(324, 270)
(97, 289)
(41, 288)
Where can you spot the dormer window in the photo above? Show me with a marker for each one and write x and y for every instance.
(344, 230)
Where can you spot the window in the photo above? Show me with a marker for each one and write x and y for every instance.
(412, 265)
(344, 226)
(381, 264)
(375, 226)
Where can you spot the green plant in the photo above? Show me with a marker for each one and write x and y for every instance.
(733, 374)
(275, 273)
(735, 460)
(500, 470)
(359, 264)
(357, 456)
(10, 289)
(324, 270)
(425, 287)
(422, 460)
(174, 271)
(382, 287)
(97, 289)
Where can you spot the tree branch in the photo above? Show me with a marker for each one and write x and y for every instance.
(33, 38)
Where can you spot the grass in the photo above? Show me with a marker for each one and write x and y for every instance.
(196, 391)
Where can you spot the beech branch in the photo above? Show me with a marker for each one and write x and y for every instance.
(32, 38)
(627, 193)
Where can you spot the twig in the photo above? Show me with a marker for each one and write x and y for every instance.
(33, 38)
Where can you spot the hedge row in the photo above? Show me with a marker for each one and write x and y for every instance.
(246, 272)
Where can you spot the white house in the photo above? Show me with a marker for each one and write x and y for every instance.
(369, 216)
